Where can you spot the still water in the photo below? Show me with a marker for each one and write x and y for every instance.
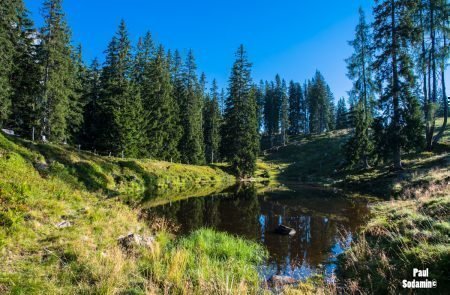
(324, 220)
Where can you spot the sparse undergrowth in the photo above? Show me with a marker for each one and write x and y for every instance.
(37, 256)
(401, 235)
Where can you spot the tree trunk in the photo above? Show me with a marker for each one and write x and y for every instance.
(444, 95)
(425, 68)
(433, 98)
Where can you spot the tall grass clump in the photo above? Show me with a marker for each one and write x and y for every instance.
(207, 262)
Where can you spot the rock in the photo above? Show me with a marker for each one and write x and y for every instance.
(285, 230)
(64, 224)
(131, 240)
(9, 132)
(279, 281)
(41, 167)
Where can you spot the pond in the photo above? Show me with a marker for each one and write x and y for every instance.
(324, 221)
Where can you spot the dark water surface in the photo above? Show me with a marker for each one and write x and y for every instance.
(324, 220)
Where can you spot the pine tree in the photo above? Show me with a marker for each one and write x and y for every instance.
(394, 34)
(190, 101)
(359, 70)
(341, 115)
(161, 109)
(240, 138)
(120, 103)
(212, 119)
(56, 63)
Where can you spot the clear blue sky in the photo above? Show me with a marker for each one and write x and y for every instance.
(290, 37)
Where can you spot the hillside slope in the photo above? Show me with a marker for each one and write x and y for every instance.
(62, 213)
(112, 176)
(319, 160)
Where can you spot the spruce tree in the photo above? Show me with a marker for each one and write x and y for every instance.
(91, 115)
(77, 98)
(319, 109)
(8, 18)
(330, 110)
(295, 110)
(25, 76)
(341, 115)
(120, 103)
(269, 109)
(190, 101)
(212, 124)
(163, 131)
(260, 103)
(56, 65)
(359, 67)
(394, 34)
(284, 113)
(145, 52)
(240, 138)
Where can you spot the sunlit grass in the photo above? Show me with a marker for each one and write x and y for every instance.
(39, 190)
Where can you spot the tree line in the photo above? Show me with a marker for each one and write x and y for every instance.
(294, 109)
(146, 101)
(143, 101)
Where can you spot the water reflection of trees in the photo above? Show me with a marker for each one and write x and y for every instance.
(318, 221)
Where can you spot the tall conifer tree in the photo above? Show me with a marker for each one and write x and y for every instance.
(359, 67)
(295, 111)
(25, 76)
(190, 100)
(57, 78)
(161, 109)
(120, 102)
(212, 119)
(341, 114)
(240, 138)
(284, 113)
(394, 32)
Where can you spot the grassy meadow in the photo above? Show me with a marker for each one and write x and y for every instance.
(40, 187)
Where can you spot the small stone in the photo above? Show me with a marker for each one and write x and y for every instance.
(131, 240)
(64, 224)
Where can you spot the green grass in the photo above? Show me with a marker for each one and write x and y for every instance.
(128, 178)
(319, 160)
(208, 262)
(310, 159)
(44, 185)
(400, 236)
